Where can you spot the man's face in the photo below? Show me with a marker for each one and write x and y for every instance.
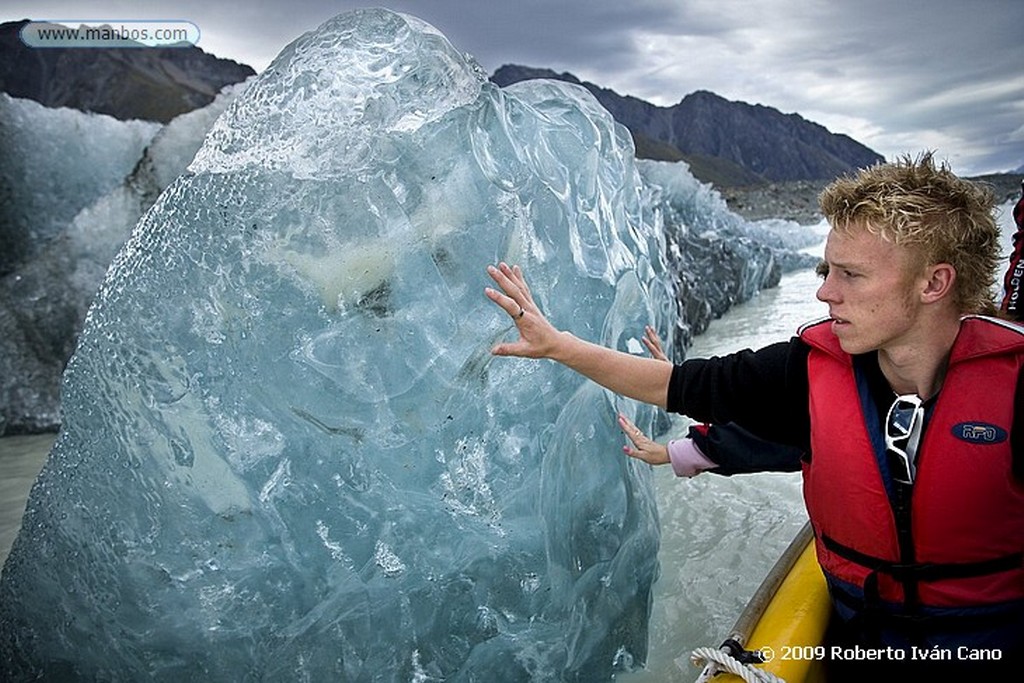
(870, 290)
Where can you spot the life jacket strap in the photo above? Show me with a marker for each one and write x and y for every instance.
(926, 571)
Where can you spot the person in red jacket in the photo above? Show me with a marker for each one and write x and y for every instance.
(1012, 305)
(900, 409)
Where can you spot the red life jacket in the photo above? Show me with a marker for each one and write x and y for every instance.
(963, 543)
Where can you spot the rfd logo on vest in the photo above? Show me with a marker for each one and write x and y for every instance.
(979, 433)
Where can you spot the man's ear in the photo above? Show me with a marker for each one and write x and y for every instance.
(939, 283)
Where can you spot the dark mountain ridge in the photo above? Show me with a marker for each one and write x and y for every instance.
(725, 143)
(152, 84)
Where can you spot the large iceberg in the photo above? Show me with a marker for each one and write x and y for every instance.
(286, 451)
(717, 258)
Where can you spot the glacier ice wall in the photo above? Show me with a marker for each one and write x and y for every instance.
(53, 163)
(287, 453)
(717, 259)
(43, 300)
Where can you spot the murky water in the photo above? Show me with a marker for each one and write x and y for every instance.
(21, 458)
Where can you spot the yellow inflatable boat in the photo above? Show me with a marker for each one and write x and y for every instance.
(784, 623)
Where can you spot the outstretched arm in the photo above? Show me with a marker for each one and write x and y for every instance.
(643, 379)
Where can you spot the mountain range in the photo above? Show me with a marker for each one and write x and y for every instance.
(725, 143)
(152, 84)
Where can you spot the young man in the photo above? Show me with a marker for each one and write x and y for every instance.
(904, 403)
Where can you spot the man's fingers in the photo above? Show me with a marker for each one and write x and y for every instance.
(502, 277)
(514, 276)
(505, 302)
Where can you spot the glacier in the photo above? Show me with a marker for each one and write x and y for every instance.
(41, 191)
(286, 452)
(47, 291)
(716, 258)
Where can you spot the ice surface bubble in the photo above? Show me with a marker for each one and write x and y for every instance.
(287, 453)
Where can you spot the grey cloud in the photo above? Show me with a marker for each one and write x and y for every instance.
(904, 69)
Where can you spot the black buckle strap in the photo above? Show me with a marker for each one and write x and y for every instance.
(926, 571)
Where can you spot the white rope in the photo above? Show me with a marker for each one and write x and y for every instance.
(724, 660)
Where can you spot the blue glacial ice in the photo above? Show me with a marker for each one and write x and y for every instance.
(42, 192)
(45, 296)
(286, 451)
(717, 259)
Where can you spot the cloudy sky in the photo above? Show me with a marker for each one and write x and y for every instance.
(899, 76)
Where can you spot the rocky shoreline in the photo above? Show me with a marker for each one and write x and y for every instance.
(798, 200)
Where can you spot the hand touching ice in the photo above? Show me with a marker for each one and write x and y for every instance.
(643, 379)
(537, 337)
(643, 448)
(652, 341)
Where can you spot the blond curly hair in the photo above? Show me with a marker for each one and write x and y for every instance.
(914, 203)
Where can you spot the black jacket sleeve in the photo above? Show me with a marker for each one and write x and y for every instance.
(737, 451)
(765, 392)
(756, 402)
